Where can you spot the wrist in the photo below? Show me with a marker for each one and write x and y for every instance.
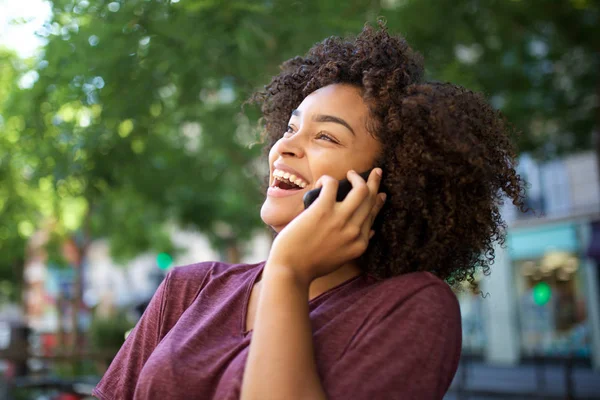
(286, 275)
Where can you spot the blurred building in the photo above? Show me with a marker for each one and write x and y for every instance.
(109, 286)
(106, 285)
(542, 299)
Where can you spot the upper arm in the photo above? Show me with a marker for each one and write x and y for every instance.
(411, 352)
(120, 379)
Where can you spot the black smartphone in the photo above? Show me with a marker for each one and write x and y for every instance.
(344, 188)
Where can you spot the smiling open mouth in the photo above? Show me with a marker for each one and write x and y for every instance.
(286, 181)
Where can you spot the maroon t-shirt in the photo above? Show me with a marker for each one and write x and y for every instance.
(399, 338)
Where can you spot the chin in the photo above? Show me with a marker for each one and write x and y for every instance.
(276, 217)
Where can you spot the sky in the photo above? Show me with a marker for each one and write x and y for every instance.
(21, 36)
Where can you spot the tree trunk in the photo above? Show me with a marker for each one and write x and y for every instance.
(597, 127)
(75, 307)
(79, 253)
(597, 133)
(233, 253)
(60, 340)
(74, 255)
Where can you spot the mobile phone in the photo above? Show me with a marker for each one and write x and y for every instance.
(344, 187)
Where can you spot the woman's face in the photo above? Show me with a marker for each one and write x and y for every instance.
(326, 135)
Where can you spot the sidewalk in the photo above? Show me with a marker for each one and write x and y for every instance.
(483, 381)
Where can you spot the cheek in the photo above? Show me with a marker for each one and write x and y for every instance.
(272, 150)
(272, 157)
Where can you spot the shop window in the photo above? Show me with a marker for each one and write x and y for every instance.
(552, 306)
(471, 309)
(548, 188)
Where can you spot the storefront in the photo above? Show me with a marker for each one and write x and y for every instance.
(473, 317)
(542, 298)
(551, 291)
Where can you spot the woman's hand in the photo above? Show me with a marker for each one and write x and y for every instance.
(329, 233)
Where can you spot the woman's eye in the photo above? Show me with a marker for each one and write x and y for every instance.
(324, 136)
(288, 131)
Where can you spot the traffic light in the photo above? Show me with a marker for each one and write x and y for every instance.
(164, 261)
(541, 293)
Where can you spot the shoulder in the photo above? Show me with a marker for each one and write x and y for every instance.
(188, 278)
(418, 284)
(411, 332)
(419, 293)
(192, 278)
(194, 272)
(182, 286)
(209, 270)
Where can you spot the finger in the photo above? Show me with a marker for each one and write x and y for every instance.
(381, 199)
(368, 224)
(328, 193)
(361, 211)
(374, 180)
(356, 196)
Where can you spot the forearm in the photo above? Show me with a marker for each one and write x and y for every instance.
(281, 363)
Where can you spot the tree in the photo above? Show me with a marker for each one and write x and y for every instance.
(140, 101)
(538, 61)
(134, 118)
(16, 202)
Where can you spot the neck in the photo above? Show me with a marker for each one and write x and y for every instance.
(333, 279)
(329, 281)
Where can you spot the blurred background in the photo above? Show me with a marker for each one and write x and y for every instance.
(124, 151)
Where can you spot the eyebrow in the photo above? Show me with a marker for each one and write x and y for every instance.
(327, 118)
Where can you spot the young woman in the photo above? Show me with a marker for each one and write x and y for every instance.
(354, 300)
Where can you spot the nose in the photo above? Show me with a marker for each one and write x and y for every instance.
(290, 146)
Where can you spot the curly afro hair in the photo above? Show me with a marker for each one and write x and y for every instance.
(447, 156)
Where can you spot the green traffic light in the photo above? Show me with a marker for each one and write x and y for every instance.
(541, 293)
(164, 261)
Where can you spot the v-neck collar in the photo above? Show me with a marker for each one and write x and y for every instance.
(312, 303)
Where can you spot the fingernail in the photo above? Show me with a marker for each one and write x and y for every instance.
(378, 171)
(383, 197)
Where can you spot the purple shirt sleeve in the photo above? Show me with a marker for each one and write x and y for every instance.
(120, 379)
(165, 308)
(411, 351)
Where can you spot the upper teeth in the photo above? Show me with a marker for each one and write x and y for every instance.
(279, 174)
